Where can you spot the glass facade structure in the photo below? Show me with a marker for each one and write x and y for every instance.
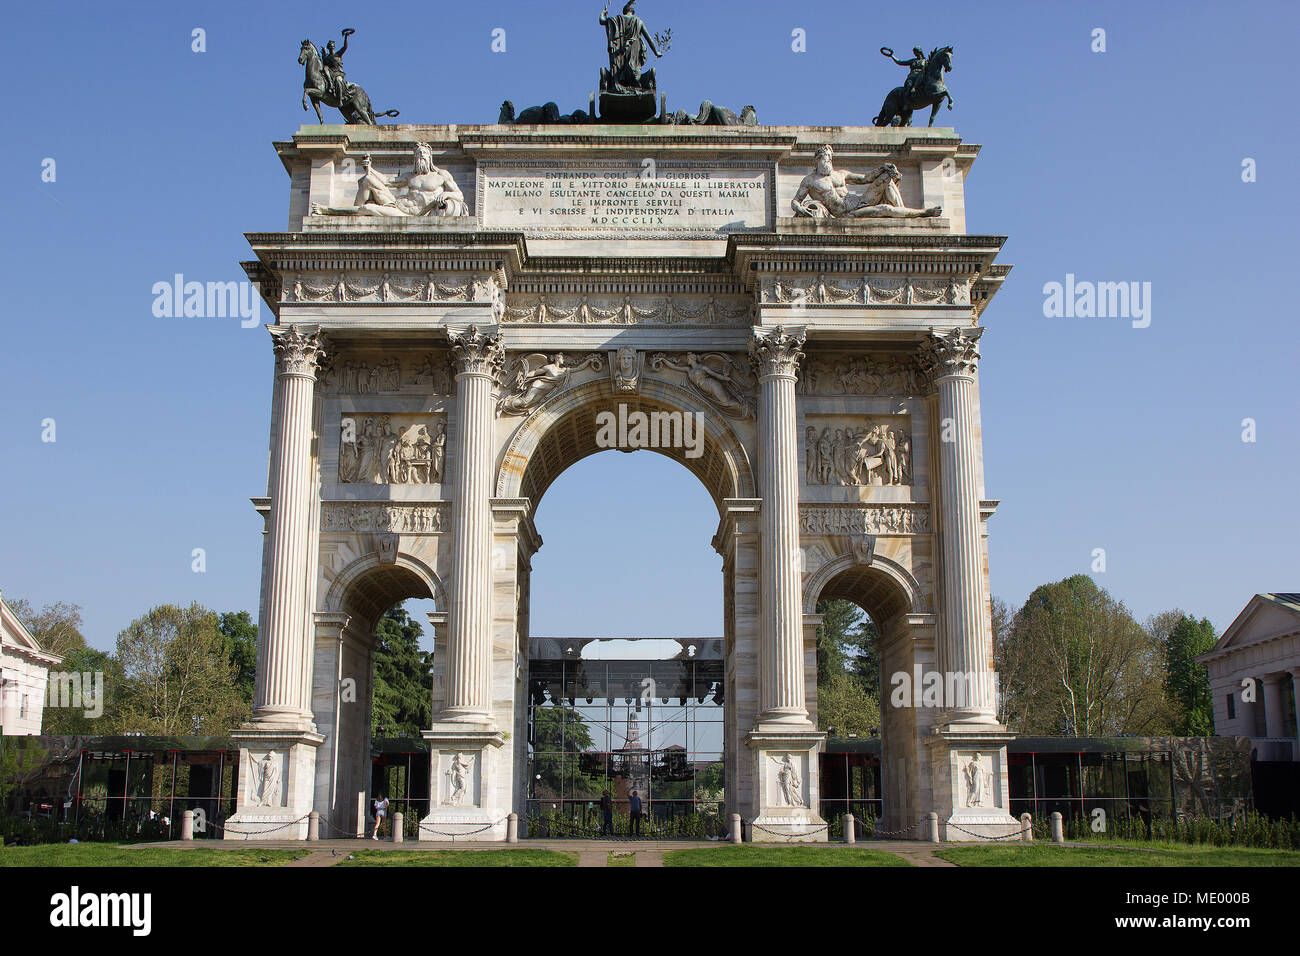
(653, 727)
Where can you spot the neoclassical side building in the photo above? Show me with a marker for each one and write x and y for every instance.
(24, 676)
(462, 311)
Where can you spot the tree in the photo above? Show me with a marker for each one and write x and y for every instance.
(1186, 681)
(56, 627)
(402, 702)
(848, 670)
(176, 678)
(239, 634)
(1075, 662)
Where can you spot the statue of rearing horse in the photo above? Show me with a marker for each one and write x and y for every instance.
(928, 90)
(320, 85)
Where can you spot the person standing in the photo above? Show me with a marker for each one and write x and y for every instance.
(606, 815)
(381, 811)
(635, 804)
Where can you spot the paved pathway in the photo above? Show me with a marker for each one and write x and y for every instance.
(592, 858)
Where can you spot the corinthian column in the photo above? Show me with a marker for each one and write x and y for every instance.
(965, 647)
(479, 358)
(776, 357)
(284, 652)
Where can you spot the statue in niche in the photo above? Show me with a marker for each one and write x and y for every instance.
(458, 779)
(824, 193)
(714, 376)
(787, 778)
(325, 82)
(974, 776)
(265, 779)
(533, 378)
(428, 191)
(439, 451)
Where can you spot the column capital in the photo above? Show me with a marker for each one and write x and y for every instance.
(300, 350)
(945, 354)
(776, 351)
(477, 352)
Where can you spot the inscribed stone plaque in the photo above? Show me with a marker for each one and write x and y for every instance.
(624, 198)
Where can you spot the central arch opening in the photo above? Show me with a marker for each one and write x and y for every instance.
(626, 693)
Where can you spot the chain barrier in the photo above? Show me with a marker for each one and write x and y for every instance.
(258, 832)
(791, 837)
(1017, 835)
(886, 834)
(464, 833)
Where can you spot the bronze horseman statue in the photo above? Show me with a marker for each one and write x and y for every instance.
(923, 87)
(325, 82)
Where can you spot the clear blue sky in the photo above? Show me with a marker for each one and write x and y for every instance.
(1115, 166)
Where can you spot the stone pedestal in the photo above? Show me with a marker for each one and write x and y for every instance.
(969, 783)
(462, 766)
(275, 788)
(785, 771)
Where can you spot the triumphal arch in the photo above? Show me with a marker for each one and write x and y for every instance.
(463, 312)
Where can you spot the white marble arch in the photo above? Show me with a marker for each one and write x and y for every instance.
(910, 593)
(897, 604)
(724, 468)
(359, 570)
(343, 668)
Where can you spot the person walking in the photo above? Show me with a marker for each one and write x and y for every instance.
(635, 804)
(606, 815)
(381, 811)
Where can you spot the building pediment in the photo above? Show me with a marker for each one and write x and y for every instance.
(1266, 618)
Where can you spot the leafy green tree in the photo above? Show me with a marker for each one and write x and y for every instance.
(56, 627)
(1074, 662)
(848, 670)
(560, 736)
(402, 702)
(175, 676)
(1186, 681)
(239, 634)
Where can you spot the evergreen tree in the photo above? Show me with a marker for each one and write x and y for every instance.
(403, 682)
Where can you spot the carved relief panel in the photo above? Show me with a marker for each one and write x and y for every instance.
(382, 374)
(406, 449)
(857, 450)
(862, 374)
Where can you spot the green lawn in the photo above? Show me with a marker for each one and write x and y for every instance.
(109, 854)
(1126, 854)
(747, 854)
(461, 858)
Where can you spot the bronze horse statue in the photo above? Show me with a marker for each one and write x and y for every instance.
(897, 108)
(354, 104)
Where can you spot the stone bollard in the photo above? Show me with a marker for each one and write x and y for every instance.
(512, 828)
(361, 815)
(1026, 828)
(737, 831)
(398, 820)
(313, 827)
(932, 827)
(187, 825)
(1058, 830)
(850, 829)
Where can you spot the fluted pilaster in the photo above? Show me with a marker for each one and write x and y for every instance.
(479, 357)
(966, 639)
(285, 648)
(776, 356)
